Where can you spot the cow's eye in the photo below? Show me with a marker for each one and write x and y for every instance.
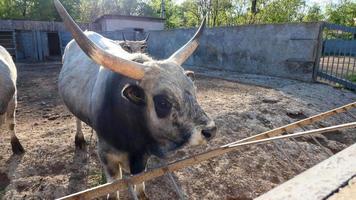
(162, 106)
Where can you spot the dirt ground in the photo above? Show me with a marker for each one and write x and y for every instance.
(243, 106)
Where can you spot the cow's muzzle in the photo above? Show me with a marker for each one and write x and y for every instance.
(209, 131)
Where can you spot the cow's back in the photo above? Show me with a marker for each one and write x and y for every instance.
(81, 81)
(8, 76)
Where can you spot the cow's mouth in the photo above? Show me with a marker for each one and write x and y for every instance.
(168, 144)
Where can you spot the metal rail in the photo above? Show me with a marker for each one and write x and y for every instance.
(338, 45)
(297, 124)
(154, 173)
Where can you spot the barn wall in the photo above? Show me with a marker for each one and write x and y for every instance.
(25, 45)
(31, 45)
(31, 37)
(283, 50)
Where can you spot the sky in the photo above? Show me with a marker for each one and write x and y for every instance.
(310, 2)
(321, 2)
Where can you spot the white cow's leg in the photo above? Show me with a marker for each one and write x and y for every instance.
(111, 175)
(79, 137)
(112, 170)
(140, 189)
(138, 165)
(11, 121)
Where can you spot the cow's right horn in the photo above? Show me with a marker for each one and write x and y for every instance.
(122, 66)
(182, 54)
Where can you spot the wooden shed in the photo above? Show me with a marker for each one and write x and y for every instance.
(34, 41)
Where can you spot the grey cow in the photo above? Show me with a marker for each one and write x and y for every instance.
(137, 106)
(130, 46)
(133, 46)
(8, 76)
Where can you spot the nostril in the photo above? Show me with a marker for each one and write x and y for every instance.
(206, 133)
(209, 133)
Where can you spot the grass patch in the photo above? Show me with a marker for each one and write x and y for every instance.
(338, 86)
(2, 192)
(96, 177)
(352, 78)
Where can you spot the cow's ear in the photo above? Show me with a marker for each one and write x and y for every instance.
(190, 74)
(134, 94)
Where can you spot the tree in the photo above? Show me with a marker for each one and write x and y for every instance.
(280, 11)
(174, 17)
(88, 10)
(191, 13)
(35, 9)
(343, 13)
(314, 14)
(14, 9)
(127, 7)
(221, 12)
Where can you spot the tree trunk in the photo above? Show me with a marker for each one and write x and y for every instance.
(24, 8)
(254, 7)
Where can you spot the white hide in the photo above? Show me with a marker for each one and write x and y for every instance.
(80, 75)
(8, 76)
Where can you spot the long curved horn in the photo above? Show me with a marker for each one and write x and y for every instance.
(187, 50)
(122, 66)
(123, 37)
(148, 35)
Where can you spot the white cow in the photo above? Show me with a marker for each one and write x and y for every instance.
(8, 76)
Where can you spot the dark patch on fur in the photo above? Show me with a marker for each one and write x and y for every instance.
(121, 123)
(137, 162)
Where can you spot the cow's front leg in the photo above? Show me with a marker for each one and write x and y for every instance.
(79, 136)
(137, 165)
(11, 121)
(112, 170)
(113, 163)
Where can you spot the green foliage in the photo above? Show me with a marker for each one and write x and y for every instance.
(352, 78)
(35, 9)
(314, 14)
(221, 13)
(343, 13)
(88, 10)
(2, 192)
(280, 11)
(189, 13)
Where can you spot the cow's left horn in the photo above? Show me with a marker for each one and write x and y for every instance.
(147, 36)
(187, 50)
(122, 66)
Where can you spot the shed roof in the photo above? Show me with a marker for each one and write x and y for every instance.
(40, 25)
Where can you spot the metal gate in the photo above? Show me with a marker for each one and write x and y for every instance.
(337, 64)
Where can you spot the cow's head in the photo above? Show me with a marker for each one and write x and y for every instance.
(134, 46)
(164, 89)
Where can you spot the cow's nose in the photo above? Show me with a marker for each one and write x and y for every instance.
(209, 132)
